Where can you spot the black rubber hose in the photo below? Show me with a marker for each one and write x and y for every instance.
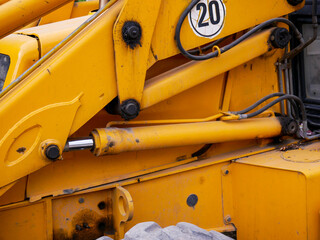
(231, 45)
(285, 97)
(295, 108)
(259, 102)
(201, 151)
(294, 105)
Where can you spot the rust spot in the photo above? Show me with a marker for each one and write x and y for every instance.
(111, 144)
(88, 224)
(290, 147)
(60, 234)
(21, 150)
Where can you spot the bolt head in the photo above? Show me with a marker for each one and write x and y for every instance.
(280, 38)
(133, 32)
(227, 219)
(52, 152)
(130, 109)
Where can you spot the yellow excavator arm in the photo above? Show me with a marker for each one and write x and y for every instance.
(159, 90)
(62, 101)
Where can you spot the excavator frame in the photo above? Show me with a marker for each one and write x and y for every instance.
(169, 137)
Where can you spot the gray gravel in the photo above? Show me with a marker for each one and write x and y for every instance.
(182, 231)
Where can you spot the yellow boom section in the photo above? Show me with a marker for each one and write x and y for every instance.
(76, 79)
(15, 14)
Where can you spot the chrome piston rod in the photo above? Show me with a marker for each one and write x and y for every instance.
(79, 144)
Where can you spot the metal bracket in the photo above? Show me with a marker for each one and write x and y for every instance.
(132, 36)
(122, 210)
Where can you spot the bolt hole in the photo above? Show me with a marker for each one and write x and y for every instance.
(122, 206)
(101, 205)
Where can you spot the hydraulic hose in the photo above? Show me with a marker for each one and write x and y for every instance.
(284, 97)
(294, 105)
(303, 45)
(231, 45)
(256, 104)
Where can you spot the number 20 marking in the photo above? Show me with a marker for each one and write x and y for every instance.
(211, 15)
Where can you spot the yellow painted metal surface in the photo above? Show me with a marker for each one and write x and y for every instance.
(67, 11)
(132, 61)
(59, 14)
(118, 165)
(116, 140)
(85, 216)
(170, 194)
(273, 201)
(284, 193)
(25, 138)
(4, 1)
(240, 15)
(25, 221)
(74, 54)
(14, 192)
(23, 52)
(26, 46)
(210, 95)
(264, 195)
(75, 210)
(4, 189)
(267, 195)
(130, 83)
(83, 8)
(16, 14)
(189, 75)
(55, 93)
(122, 206)
(281, 192)
(50, 35)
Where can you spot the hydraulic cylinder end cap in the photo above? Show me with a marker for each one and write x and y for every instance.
(52, 152)
(289, 126)
(294, 2)
(280, 38)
